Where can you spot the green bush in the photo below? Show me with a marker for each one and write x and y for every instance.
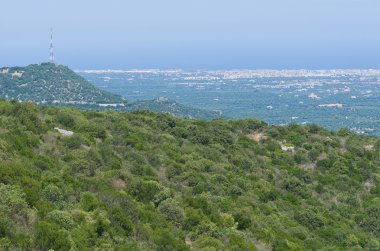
(62, 218)
(172, 211)
(50, 236)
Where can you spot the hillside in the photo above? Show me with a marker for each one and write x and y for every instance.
(50, 83)
(169, 106)
(58, 85)
(150, 181)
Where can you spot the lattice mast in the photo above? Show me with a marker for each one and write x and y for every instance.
(51, 55)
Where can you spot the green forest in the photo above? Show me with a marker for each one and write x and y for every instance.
(152, 181)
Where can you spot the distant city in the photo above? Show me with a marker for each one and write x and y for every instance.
(236, 74)
(332, 98)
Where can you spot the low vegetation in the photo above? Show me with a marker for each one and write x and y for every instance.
(150, 181)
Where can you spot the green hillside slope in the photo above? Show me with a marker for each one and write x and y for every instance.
(149, 181)
(50, 83)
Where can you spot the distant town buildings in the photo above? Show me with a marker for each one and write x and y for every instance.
(313, 96)
(331, 105)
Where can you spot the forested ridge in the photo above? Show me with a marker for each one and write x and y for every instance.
(50, 83)
(151, 181)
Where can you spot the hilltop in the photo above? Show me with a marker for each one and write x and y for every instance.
(106, 180)
(50, 84)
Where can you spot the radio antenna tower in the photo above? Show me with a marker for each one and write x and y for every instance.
(51, 55)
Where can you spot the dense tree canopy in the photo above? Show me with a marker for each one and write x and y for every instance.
(149, 181)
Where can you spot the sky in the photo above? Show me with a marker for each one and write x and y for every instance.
(192, 34)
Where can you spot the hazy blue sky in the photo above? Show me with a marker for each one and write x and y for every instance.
(193, 34)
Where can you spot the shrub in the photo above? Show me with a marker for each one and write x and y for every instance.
(172, 211)
(66, 119)
(62, 218)
(207, 229)
(50, 236)
(52, 193)
(144, 191)
(309, 219)
(119, 218)
(243, 220)
(295, 186)
(89, 201)
(208, 243)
